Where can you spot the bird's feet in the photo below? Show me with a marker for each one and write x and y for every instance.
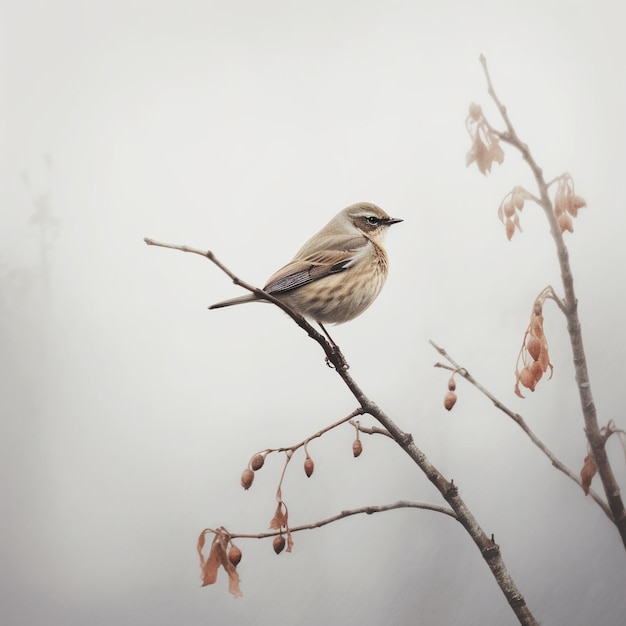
(337, 361)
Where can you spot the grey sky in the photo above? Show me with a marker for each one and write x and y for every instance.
(129, 410)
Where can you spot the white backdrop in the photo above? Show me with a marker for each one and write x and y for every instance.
(129, 410)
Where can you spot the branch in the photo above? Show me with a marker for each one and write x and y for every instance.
(333, 354)
(489, 550)
(319, 433)
(570, 305)
(519, 420)
(368, 510)
(372, 430)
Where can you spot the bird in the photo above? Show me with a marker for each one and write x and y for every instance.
(337, 273)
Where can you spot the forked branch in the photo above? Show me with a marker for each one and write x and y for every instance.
(486, 545)
(570, 309)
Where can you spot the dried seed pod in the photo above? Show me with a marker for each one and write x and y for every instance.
(527, 379)
(357, 447)
(234, 555)
(475, 112)
(451, 384)
(495, 151)
(536, 370)
(560, 204)
(449, 400)
(565, 223)
(257, 462)
(510, 229)
(533, 347)
(309, 466)
(279, 544)
(574, 203)
(536, 323)
(509, 208)
(247, 478)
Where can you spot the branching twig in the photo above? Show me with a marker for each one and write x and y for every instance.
(570, 307)
(368, 510)
(319, 433)
(519, 420)
(333, 354)
(489, 550)
(371, 430)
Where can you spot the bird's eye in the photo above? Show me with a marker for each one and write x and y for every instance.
(371, 219)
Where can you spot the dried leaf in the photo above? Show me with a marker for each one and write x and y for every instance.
(587, 472)
(289, 540)
(510, 229)
(480, 154)
(201, 542)
(233, 578)
(218, 556)
(496, 153)
(565, 223)
(280, 517)
(212, 564)
(475, 111)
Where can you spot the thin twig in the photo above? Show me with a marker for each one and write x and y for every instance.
(488, 549)
(570, 306)
(319, 433)
(371, 430)
(519, 420)
(333, 354)
(368, 510)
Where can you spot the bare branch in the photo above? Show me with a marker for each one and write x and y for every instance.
(319, 433)
(371, 430)
(519, 420)
(333, 353)
(570, 307)
(488, 549)
(368, 510)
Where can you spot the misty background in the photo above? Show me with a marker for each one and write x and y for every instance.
(128, 411)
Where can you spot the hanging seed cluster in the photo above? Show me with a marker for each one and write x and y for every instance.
(533, 360)
(485, 145)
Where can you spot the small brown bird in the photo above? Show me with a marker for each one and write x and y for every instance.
(337, 273)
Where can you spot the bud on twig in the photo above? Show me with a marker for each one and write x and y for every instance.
(279, 544)
(234, 555)
(357, 447)
(247, 478)
(449, 400)
(257, 462)
(308, 466)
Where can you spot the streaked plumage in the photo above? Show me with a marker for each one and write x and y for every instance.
(337, 273)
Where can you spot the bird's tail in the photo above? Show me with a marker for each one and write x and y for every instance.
(232, 301)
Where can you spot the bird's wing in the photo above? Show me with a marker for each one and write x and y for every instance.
(305, 270)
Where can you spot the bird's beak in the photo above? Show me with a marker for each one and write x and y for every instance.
(392, 220)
